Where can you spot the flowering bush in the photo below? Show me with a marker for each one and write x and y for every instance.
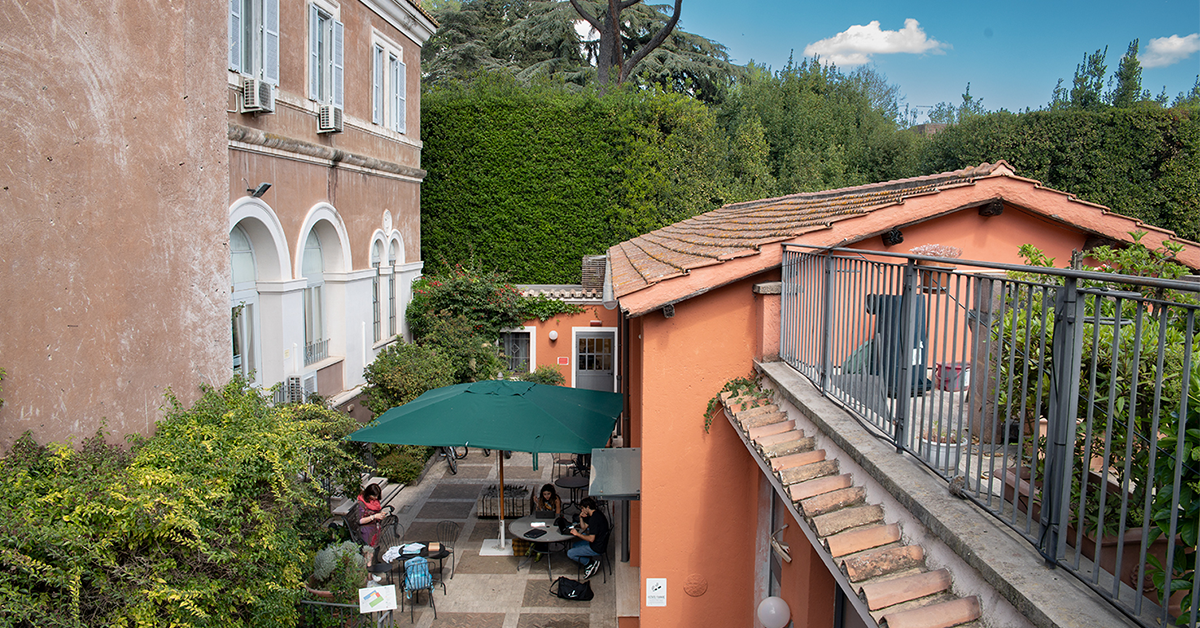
(936, 250)
(486, 299)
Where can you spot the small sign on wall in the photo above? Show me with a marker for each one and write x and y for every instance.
(564, 361)
(656, 591)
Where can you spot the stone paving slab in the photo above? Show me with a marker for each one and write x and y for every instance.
(537, 593)
(473, 471)
(468, 620)
(556, 620)
(438, 511)
(472, 562)
(421, 532)
(447, 490)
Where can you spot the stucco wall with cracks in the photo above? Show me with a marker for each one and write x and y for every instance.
(114, 212)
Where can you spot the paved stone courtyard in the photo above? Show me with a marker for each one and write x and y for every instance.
(487, 591)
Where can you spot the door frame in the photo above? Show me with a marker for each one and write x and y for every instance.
(575, 332)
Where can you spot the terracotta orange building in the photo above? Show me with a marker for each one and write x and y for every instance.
(699, 306)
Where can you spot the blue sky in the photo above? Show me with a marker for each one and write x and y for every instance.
(1012, 53)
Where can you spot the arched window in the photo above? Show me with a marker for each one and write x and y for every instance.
(244, 297)
(392, 289)
(376, 254)
(316, 345)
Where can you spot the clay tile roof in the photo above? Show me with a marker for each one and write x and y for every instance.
(887, 572)
(739, 229)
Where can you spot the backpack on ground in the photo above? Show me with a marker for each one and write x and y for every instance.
(569, 589)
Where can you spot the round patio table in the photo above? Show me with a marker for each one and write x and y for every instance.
(573, 483)
(522, 527)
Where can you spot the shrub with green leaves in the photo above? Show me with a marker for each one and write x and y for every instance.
(202, 524)
(544, 374)
(401, 372)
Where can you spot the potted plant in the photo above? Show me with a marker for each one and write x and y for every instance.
(932, 273)
(940, 443)
(339, 571)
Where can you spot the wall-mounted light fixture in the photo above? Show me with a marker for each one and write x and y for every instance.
(553, 335)
(773, 612)
(893, 237)
(669, 311)
(993, 208)
(259, 191)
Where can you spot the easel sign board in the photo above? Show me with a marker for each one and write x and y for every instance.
(375, 599)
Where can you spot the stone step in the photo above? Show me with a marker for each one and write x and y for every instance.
(834, 522)
(781, 437)
(879, 595)
(884, 561)
(820, 486)
(833, 501)
(799, 445)
(796, 475)
(760, 420)
(853, 541)
(797, 460)
(768, 430)
(944, 615)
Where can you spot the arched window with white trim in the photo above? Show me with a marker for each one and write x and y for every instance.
(316, 345)
(392, 253)
(376, 304)
(244, 304)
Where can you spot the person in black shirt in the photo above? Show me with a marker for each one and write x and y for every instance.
(592, 533)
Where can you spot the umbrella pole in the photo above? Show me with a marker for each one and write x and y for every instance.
(500, 546)
(500, 459)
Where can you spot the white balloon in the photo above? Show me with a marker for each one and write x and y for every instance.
(773, 612)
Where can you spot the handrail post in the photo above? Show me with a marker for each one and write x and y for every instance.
(907, 353)
(1065, 350)
(826, 322)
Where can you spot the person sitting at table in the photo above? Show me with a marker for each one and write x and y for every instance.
(548, 500)
(592, 533)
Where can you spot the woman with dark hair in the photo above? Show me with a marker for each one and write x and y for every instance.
(548, 500)
(369, 512)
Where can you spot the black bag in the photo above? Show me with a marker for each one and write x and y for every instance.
(569, 589)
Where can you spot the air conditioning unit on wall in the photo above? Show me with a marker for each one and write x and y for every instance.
(329, 119)
(257, 96)
(297, 388)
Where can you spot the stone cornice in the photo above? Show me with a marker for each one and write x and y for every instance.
(247, 135)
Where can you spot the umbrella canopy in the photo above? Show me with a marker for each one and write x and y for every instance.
(501, 414)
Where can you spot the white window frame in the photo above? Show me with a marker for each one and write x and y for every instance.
(389, 84)
(314, 306)
(255, 34)
(376, 301)
(326, 55)
(532, 333)
(245, 295)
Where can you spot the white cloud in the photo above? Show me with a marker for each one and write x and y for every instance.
(1169, 50)
(856, 44)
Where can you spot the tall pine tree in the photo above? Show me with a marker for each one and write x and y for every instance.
(1128, 77)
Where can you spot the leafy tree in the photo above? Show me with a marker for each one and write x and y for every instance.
(1191, 98)
(1128, 78)
(607, 21)
(946, 113)
(1089, 81)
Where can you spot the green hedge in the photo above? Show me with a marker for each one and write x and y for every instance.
(1142, 162)
(529, 180)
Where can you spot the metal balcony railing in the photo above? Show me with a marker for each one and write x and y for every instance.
(316, 351)
(1065, 403)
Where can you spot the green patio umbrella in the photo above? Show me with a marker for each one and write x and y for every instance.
(501, 414)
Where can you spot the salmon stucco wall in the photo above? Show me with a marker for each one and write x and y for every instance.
(990, 238)
(559, 353)
(699, 505)
(113, 196)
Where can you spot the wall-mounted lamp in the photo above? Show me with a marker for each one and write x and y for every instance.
(893, 237)
(259, 191)
(669, 311)
(773, 612)
(553, 335)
